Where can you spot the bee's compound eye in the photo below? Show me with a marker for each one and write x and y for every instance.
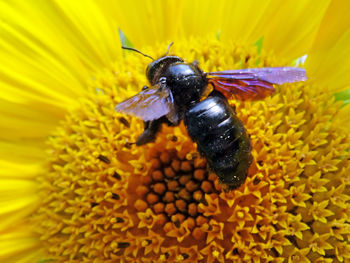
(162, 80)
(162, 83)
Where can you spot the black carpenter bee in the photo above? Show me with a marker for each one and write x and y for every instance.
(176, 93)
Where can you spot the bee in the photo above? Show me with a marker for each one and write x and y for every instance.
(176, 93)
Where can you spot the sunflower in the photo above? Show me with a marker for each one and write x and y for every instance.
(76, 189)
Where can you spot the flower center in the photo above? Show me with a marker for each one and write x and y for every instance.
(104, 198)
(175, 187)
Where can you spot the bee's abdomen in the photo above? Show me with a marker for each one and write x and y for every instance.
(221, 138)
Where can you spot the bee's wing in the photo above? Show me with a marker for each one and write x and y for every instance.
(253, 83)
(150, 104)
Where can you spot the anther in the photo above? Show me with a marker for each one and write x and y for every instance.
(104, 159)
(128, 145)
(123, 244)
(125, 122)
(117, 176)
(256, 181)
(178, 217)
(120, 220)
(93, 205)
(115, 196)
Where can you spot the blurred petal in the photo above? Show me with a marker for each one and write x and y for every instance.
(47, 57)
(329, 59)
(18, 200)
(288, 27)
(146, 22)
(19, 170)
(15, 244)
(343, 118)
(23, 151)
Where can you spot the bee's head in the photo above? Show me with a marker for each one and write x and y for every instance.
(156, 67)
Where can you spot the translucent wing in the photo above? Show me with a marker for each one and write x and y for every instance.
(150, 104)
(253, 83)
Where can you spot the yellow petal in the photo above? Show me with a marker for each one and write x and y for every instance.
(146, 22)
(49, 52)
(19, 121)
(287, 27)
(18, 170)
(15, 244)
(343, 118)
(329, 59)
(23, 151)
(18, 201)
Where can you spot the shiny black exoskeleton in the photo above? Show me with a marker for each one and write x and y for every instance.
(177, 93)
(211, 123)
(186, 81)
(221, 138)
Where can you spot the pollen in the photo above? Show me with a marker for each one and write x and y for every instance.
(105, 199)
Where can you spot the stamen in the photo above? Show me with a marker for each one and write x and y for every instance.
(105, 198)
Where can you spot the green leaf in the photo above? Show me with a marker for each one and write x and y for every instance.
(218, 34)
(259, 45)
(124, 40)
(344, 96)
(45, 260)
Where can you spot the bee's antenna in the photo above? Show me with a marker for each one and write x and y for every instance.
(169, 48)
(138, 51)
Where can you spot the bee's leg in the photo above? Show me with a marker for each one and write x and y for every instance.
(151, 129)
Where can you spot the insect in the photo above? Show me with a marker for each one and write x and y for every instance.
(176, 93)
